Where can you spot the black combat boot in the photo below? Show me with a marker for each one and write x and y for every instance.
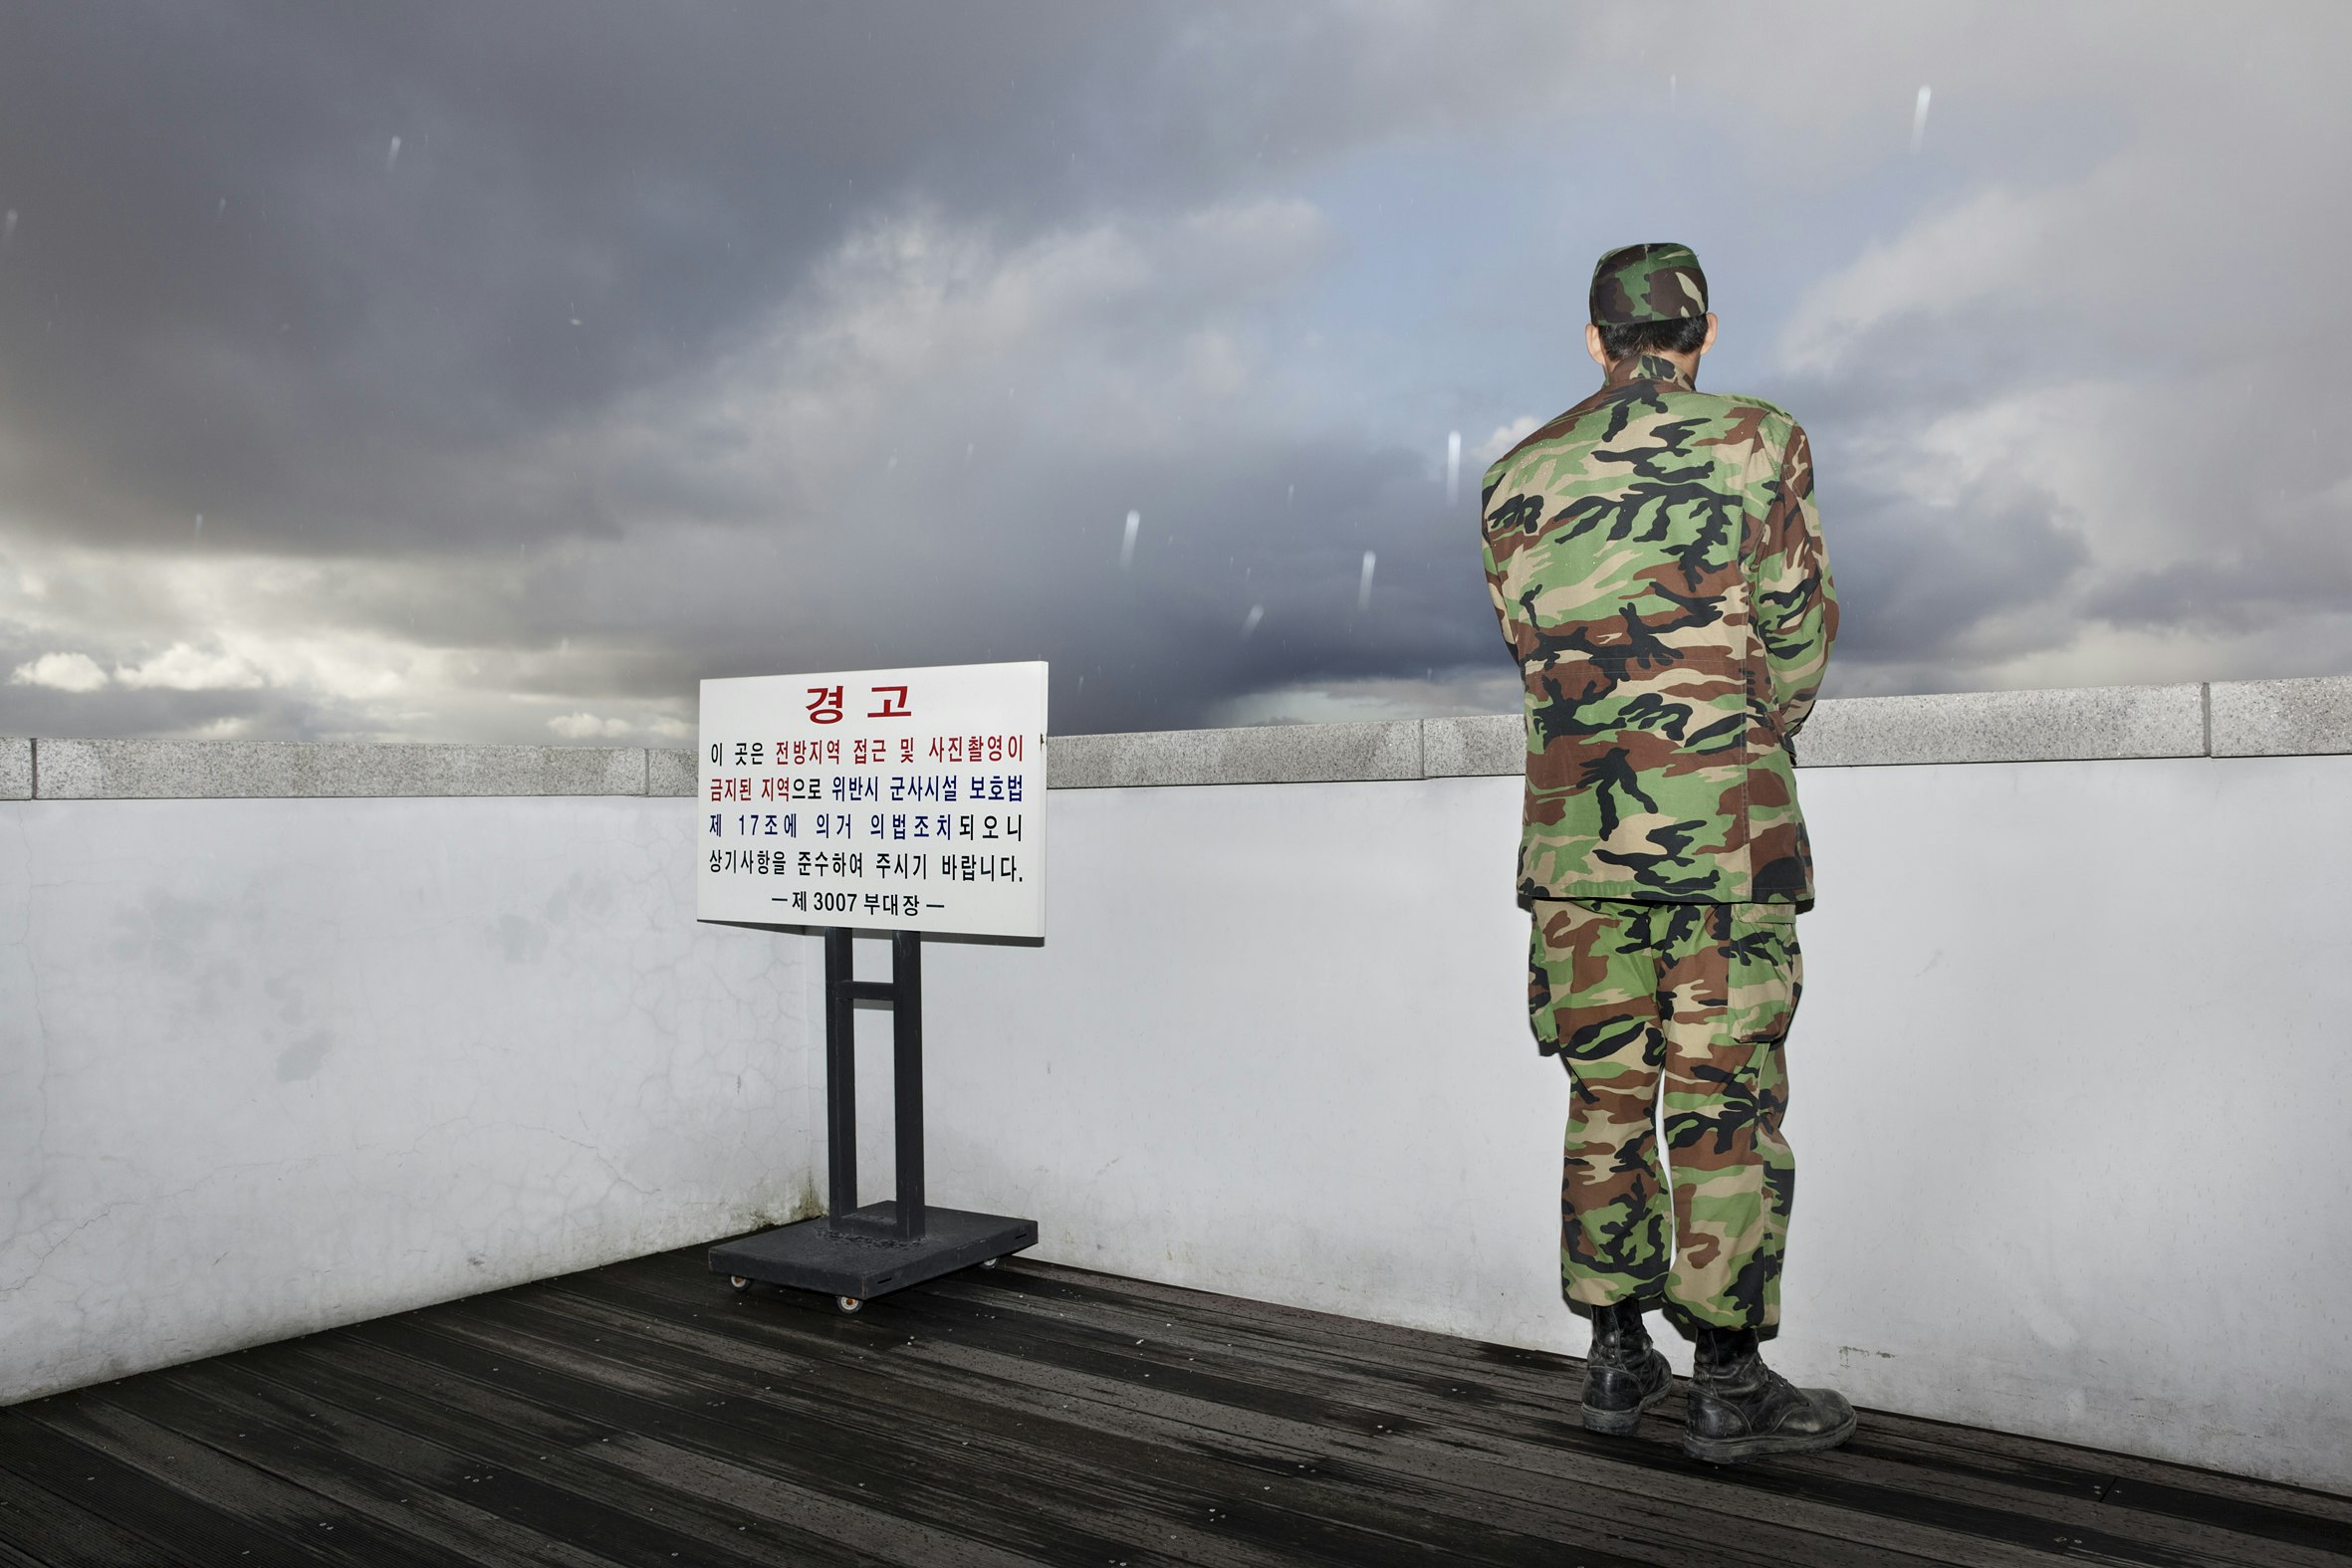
(1624, 1374)
(1742, 1409)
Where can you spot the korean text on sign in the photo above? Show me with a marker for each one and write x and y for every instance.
(883, 798)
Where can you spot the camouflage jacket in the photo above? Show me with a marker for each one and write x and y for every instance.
(1656, 561)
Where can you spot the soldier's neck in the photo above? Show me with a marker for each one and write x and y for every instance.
(1680, 370)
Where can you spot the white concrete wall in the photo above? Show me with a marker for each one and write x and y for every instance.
(272, 1065)
(2069, 1092)
(2070, 1084)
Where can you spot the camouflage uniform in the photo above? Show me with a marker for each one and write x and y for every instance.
(1655, 563)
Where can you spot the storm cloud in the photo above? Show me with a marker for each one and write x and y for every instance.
(453, 373)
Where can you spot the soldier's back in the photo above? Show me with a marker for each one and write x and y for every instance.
(1624, 543)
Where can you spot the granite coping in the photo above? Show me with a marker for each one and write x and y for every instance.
(221, 770)
(670, 772)
(1271, 753)
(2223, 719)
(2291, 718)
(2075, 724)
(1474, 745)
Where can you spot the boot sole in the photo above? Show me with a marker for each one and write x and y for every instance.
(1738, 1451)
(1619, 1423)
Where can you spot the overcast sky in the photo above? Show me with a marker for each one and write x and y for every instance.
(466, 372)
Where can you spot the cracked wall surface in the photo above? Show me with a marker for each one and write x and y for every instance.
(273, 1066)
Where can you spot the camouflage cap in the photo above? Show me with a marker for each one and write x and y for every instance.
(1647, 282)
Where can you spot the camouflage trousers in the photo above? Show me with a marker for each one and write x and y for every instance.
(1671, 1014)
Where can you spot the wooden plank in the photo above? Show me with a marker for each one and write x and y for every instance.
(870, 1513)
(10, 1556)
(2313, 1521)
(1884, 1455)
(163, 1525)
(1124, 1407)
(627, 1466)
(1728, 1518)
(1365, 1447)
(2009, 1514)
(1141, 1495)
(1148, 1496)
(2290, 1510)
(494, 1509)
(1039, 1414)
(2204, 1528)
(56, 1532)
(1224, 1464)
(1933, 1482)
(319, 1528)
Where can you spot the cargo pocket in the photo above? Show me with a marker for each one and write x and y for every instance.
(1766, 972)
(1591, 981)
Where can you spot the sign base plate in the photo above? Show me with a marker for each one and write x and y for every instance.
(861, 1255)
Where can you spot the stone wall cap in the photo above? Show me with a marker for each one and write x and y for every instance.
(2303, 716)
(231, 769)
(2310, 717)
(16, 767)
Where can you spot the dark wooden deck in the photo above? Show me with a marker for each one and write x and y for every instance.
(644, 1414)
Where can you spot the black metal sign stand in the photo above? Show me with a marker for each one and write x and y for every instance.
(853, 1253)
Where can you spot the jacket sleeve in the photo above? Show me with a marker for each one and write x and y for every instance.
(1506, 612)
(1795, 601)
(1503, 606)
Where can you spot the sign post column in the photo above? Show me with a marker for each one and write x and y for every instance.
(906, 1087)
(840, 1074)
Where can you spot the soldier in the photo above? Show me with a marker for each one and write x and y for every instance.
(1656, 563)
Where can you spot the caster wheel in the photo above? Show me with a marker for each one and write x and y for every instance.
(848, 1306)
(989, 1263)
(739, 1282)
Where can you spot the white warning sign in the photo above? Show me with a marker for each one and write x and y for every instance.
(886, 800)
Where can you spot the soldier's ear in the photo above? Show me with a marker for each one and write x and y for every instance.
(1708, 341)
(1592, 346)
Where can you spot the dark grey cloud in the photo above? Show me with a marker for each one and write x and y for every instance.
(374, 286)
(230, 292)
(227, 291)
(711, 338)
